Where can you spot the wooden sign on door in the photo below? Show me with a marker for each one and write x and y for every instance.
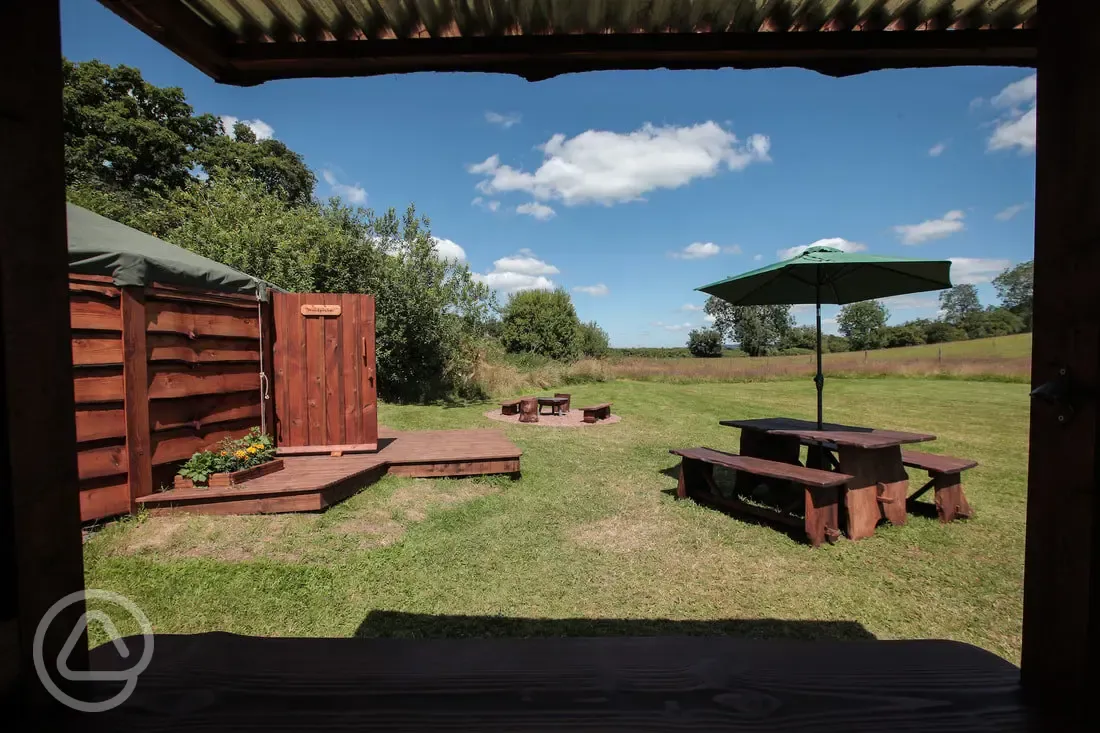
(325, 386)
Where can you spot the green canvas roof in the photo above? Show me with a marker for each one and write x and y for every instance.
(102, 246)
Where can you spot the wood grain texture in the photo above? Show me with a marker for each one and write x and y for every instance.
(180, 443)
(178, 347)
(96, 349)
(204, 411)
(172, 382)
(105, 498)
(875, 472)
(334, 386)
(197, 320)
(102, 460)
(368, 390)
(315, 378)
(93, 311)
(135, 380)
(951, 503)
(98, 384)
(99, 422)
(671, 683)
(935, 463)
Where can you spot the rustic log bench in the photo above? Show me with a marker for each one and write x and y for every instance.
(510, 407)
(945, 473)
(597, 412)
(820, 499)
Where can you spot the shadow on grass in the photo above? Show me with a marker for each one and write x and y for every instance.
(401, 625)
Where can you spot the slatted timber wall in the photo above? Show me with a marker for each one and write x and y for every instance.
(159, 373)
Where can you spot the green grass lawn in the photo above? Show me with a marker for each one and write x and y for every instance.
(591, 532)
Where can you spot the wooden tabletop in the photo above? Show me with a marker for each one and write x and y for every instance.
(553, 400)
(849, 435)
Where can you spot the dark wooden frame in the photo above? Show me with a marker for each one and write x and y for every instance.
(41, 551)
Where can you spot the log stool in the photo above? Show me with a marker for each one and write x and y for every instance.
(529, 409)
(568, 398)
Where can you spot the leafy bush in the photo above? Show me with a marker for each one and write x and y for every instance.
(801, 337)
(758, 330)
(831, 344)
(228, 456)
(541, 322)
(795, 351)
(992, 322)
(939, 332)
(906, 334)
(705, 342)
(594, 341)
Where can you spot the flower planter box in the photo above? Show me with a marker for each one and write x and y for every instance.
(225, 480)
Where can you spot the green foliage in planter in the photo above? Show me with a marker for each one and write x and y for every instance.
(228, 456)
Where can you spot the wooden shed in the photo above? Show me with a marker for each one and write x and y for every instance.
(168, 358)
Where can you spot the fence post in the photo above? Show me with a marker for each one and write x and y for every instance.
(135, 382)
(939, 354)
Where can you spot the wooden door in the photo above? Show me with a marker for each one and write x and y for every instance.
(325, 389)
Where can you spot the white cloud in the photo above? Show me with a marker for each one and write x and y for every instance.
(490, 205)
(702, 250)
(757, 258)
(937, 150)
(542, 212)
(835, 242)
(974, 271)
(951, 223)
(691, 308)
(522, 271)
(709, 318)
(1017, 93)
(599, 166)
(448, 250)
(355, 194)
(504, 120)
(598, 290)
(262, 130)
(674, 326)
(1017, 126)
(1009, 212)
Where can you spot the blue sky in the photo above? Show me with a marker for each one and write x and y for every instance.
(630, 189)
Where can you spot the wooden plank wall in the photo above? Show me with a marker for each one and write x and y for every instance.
(159, 373)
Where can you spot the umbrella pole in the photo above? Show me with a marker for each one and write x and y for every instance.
(819, 378)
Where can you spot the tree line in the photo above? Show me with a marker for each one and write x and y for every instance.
(770, 329)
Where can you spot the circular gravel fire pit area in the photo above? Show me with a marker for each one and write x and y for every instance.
(572, 419)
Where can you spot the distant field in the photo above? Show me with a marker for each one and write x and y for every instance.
(1006, 358)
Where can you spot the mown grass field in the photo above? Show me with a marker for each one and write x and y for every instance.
(591, 533)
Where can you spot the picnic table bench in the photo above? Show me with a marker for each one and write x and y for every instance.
(945, 476)
(593, 413)
(510, 407)
(820, 489)
(556, 404)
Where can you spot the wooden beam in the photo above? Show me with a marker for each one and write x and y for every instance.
(135, 385)
(538, 57)
(40, 546)
(1061, 624)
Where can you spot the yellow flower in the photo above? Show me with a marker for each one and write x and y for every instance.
(225, 453)
(240, 454)
(252, 449)
(258, 446)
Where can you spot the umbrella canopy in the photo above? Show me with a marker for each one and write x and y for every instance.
(829, 275)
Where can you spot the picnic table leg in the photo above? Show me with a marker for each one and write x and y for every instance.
(822, 514)
(691, 477)
(878, 488)
(781, 448)
(951, 502)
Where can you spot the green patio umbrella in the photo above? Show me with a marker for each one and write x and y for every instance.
(829, 275)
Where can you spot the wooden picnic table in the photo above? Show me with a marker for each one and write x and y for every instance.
(879, 486)
(554, 403)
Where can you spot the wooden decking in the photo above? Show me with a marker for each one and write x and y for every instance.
(313, 483)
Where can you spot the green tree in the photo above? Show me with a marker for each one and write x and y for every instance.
(705, 342)
(123, 133)
(864, 324)
(941, 332)
(757, 329)
(907, 334)
(801, 337)
(958, 302)
(594, 342)
(1015, 287)
(279, 168)
(541, 322)
(992, 322)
